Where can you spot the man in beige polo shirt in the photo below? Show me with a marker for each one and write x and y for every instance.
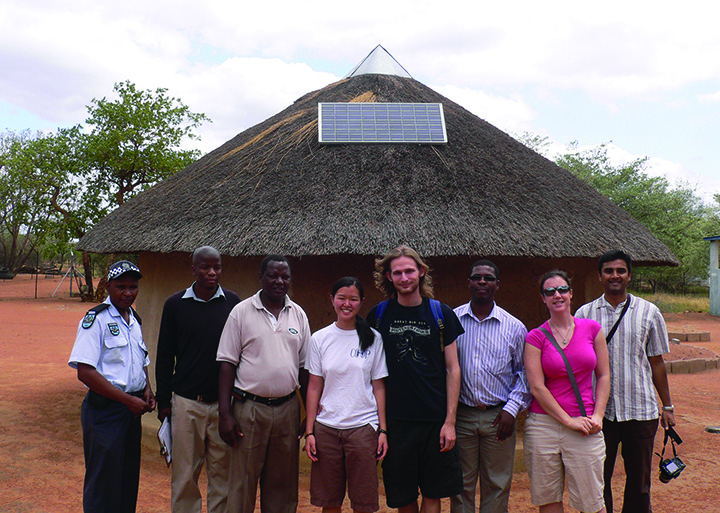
(262, 349)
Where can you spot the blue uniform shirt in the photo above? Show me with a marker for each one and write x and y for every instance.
(114, 347)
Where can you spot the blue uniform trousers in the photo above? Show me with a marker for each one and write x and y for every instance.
(111, 440)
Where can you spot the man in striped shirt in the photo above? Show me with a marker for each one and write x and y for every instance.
(493, 391)
(636, 370)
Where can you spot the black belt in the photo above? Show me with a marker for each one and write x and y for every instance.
(267, 401)
(202, 398)
(101, 402)
(483, 407)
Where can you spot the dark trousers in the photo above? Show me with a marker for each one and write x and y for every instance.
(637, 438)
(111, 440)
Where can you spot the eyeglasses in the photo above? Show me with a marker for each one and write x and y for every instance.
(550, 291)
(488, 278)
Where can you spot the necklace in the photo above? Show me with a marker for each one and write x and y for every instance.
(567, 333)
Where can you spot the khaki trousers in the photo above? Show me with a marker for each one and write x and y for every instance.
(196, 440)
(483, 456)
(268, 453)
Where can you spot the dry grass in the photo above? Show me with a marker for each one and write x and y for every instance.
(671, 303)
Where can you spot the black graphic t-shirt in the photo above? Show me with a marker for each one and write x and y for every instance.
(416, 384)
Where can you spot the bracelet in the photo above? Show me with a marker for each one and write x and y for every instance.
(308, 434)
(381, 431)
(668, 408)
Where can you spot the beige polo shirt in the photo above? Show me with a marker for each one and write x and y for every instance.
(268, 352)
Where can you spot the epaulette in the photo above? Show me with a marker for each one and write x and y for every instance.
(89, 318)
(139, 320)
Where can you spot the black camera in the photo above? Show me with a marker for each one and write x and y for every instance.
(670, 468)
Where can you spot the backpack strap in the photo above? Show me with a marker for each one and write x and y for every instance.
(436, 310)
(379, 311)
(571, 374)
(139, 320)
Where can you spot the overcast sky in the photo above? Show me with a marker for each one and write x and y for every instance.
(642, 75)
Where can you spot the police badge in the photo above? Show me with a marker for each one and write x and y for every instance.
(114, 328)
(88, 320)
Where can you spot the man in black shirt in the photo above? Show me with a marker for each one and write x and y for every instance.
(423, 384)
(187, 373)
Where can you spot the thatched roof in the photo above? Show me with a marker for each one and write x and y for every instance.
(273, 188)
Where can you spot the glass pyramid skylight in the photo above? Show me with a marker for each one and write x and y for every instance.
(379, 62)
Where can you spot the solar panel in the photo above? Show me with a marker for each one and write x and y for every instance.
(422, 123)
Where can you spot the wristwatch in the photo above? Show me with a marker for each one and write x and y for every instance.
(669, 408)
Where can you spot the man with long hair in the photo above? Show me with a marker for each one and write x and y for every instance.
(419, 336)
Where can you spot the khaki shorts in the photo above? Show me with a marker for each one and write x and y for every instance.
(552, 452)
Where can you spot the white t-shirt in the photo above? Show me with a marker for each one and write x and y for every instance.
(347, 399)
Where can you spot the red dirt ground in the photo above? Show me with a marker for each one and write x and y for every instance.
(40, 437)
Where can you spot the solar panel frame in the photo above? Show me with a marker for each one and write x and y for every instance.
(381, 123)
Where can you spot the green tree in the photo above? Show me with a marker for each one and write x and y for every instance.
(136, 140)
(676, 215)
(55, 187)
(73, 205)
(24, 216)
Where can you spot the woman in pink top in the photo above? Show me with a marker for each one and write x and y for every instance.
(559, 441)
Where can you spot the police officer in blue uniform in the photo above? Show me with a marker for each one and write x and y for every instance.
(111, 360)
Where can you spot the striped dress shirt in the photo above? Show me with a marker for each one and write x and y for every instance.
(640, 334)
(490, 353)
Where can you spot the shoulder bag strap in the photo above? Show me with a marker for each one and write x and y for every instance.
(571, 374)
(617, 323)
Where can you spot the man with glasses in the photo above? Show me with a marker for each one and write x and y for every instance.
(493, 391)
(636, 370)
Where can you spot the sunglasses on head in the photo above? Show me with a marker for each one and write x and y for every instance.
(550, 291)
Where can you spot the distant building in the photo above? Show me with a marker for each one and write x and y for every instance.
(714, 274)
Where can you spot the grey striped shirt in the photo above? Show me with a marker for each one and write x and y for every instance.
(641, 333)
(490, 353)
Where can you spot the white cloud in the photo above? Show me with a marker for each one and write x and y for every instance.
(709, 98)
(242, 62)
(242, 92)
(511, 115)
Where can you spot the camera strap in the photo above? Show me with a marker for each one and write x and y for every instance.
(615, 326)
(672, 435)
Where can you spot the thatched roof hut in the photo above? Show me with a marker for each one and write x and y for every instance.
(274, 188)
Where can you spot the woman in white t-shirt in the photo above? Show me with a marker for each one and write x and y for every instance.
(345, 432)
